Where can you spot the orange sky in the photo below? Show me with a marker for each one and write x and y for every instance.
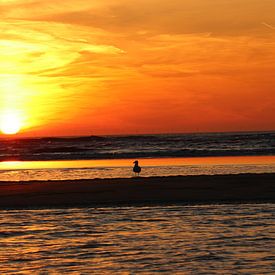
(79, 67)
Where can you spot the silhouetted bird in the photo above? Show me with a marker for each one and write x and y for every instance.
(136, 168)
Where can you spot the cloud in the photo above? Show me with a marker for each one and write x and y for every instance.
(160, 16)
(28, 47)
(268, 26)
(167, 71)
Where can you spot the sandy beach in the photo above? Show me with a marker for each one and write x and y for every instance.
(183, 189)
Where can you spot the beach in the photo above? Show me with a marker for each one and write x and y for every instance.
(239, 188)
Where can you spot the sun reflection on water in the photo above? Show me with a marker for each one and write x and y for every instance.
(144, 161)
(122, 168)
(174, 239)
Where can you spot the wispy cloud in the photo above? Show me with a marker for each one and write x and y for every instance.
(35, 46)
(268, 25)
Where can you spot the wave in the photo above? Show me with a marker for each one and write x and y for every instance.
(136, 146)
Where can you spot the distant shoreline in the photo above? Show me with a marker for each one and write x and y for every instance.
(240, 188)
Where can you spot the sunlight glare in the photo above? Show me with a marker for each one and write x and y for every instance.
(10, 124)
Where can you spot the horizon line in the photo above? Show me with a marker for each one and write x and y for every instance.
(16, 137)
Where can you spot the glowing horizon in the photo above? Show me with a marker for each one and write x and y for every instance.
(80, 68)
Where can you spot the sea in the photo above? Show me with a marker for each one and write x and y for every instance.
(113, 156)
(140, 239)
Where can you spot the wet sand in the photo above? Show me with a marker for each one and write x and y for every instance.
(240, 188)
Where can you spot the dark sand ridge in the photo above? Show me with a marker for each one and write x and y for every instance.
(175, 189)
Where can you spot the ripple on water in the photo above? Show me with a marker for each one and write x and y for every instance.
(209, 239)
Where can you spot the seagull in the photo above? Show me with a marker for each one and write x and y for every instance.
(136, 168)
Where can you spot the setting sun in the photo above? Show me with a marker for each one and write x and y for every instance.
(10, 124)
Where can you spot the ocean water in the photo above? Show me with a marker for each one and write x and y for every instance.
(140, 146)
(171, 239)
(167, 239)
(122, 168)
(159, 155)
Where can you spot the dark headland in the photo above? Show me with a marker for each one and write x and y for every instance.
(240, 188)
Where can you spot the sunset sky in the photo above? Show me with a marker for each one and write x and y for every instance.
(80, 67)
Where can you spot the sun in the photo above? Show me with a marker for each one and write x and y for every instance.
(10, 124)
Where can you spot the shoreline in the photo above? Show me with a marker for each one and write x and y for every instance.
(203, 189)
